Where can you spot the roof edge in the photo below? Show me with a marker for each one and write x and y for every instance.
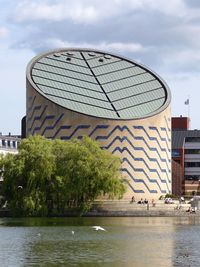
(158, 77)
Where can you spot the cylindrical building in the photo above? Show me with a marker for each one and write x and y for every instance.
(120, 103)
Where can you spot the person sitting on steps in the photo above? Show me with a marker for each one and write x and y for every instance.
(132, 199)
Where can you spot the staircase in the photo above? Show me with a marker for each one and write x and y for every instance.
(125, 208)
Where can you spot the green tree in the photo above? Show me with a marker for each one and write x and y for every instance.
(36, 153)
(27, 176)
(11, 167)
(52, 176)
(87, 172)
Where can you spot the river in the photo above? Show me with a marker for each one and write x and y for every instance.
(127, 242)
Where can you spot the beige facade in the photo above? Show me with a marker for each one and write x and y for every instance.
(143, 145)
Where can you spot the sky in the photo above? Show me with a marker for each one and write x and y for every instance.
(163, 35)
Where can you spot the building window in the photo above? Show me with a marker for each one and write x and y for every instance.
(192, 151)
(14, 144)
(192, 177)
(3, 142)
(192, 164)
(8, 142)
(192, 139)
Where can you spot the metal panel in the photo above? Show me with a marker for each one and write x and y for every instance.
(74, 90)
(70, 60)
(62, 79)
(120, 74)
(131, 81)
(98, 81)
(81, 99)
(117, 65)
(65, 65)
(65, 72)
(97, 111)
(101, 61)
(134, 90)
(141, 110)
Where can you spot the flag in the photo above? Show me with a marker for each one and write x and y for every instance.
(186, 102)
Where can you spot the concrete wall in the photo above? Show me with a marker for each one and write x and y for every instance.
(144, 145)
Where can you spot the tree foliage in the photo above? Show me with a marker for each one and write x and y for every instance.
(50, 177)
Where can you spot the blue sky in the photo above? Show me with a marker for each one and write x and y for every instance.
(163, 35)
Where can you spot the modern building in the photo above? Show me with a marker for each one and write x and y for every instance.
(185, 157)
(119, 103)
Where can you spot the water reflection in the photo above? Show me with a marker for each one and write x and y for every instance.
(127, 242)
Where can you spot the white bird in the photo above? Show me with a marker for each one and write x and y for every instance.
(98, 228)
(72, 232)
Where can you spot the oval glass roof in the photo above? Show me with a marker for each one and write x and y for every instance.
(98, 84)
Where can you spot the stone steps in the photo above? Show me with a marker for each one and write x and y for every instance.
(127, 206)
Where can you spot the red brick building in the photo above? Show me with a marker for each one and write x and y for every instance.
(185, 157)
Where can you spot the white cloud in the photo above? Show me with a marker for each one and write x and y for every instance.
(3, 32)
(105, 46)
(187, 60)
(174, 7)
(90, 11)
(191, 32)
(164, 35)
(120, 47)
(70, 10)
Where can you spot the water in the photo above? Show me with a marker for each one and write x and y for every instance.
(127, 242)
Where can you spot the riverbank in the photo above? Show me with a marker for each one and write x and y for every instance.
(141, 213)
(121, 208)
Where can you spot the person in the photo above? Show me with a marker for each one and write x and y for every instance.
(141, 201)
(145, 201)
(191, 210)
(182, 200)
(153, 203)
(132, 199)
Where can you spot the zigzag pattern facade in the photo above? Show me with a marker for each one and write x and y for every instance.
(150, 180)
(46, 118)
(166, 122)
(152, 139)
(48, 128)
(166, 131)
(122, 150)
(36, 108)
(125, 138)
(68, 137)
(125, 149)
(130, 186)
(166, 140)
(29, 100)
(151, 191)
(36, 118)
(143, 149)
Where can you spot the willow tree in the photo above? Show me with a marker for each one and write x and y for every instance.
(52, 176)
(87, 172)
(27, 175)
